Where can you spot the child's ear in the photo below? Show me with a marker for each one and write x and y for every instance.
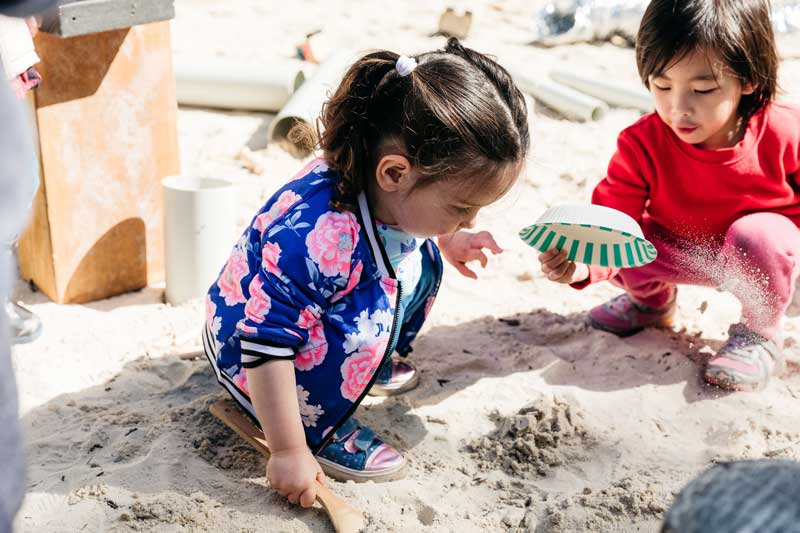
(748, 88)
(393, 173)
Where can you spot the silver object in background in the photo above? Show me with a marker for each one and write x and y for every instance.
(573, 21)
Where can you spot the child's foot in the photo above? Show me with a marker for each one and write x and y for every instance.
(355, 453)
(394, 377)
(623, 316)
(746, 361)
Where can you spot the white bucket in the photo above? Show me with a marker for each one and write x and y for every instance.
(199, 232)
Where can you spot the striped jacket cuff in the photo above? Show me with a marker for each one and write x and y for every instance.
(258, 351)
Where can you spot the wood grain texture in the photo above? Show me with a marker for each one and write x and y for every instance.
(106, 115)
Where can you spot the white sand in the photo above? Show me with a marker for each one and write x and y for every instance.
(120, 438)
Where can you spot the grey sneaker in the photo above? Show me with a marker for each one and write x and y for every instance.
(24, 325)
(746, 362)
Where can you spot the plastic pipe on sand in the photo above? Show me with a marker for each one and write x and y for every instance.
(568, 102)
(228, 85)
(199, 229)
(612, 93)
(305, 105)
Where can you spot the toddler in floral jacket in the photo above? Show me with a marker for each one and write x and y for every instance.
(338, 270)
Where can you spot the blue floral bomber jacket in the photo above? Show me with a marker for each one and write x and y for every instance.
(311, 284)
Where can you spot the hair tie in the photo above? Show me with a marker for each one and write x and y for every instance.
(405, 65)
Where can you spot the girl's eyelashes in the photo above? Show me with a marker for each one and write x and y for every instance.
(462, 210)
(696, 91)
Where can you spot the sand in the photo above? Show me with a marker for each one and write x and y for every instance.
(525, 420)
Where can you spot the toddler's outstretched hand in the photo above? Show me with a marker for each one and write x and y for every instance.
(293, 474)
(558, 268)
(462, 247)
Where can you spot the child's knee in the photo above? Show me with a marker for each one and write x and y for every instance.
(761, 233)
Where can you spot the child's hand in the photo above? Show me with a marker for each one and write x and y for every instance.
(557, 268)
(463, 247)
(293, 474)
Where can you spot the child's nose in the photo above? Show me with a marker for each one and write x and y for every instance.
(682, 105)
(469, 224)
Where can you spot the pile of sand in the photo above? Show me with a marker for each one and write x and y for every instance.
(540, 436)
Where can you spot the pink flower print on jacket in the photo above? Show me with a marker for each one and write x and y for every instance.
(355, 277)
(244, 328)
(259, 303)
(314, 351)
(390, 288)
(230, 281)
(270, 255)
(366, 348)
(371, 329)
(214, 322)
(286, 200)
(315, 166)
(240, 380)
(358, 369)
(332, 241)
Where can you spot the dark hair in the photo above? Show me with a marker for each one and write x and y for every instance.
(458, 115)
(740, 31)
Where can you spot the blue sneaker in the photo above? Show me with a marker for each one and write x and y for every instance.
(355, 453)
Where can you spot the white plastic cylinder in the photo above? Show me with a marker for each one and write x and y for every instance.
(232, 85)
(305, 105)
(612, 93)
(568, 102)
(199, 231)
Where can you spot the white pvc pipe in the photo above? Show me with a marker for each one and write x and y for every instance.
(199, 231)
(305, 104)
(568, 102)
(612, 93)
(230, 85)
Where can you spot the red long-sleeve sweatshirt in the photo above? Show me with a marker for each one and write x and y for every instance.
(697, 194)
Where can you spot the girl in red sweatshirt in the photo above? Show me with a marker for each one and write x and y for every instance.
(712, 177)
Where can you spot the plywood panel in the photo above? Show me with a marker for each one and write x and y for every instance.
(106, 116)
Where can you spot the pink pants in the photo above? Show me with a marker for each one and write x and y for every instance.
(757, 262)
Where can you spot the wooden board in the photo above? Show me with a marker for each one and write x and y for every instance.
(107, 122)
(82, 17)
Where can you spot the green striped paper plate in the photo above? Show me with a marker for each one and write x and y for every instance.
(591, 234)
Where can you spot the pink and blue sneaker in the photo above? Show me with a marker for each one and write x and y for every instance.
(745, 362)
(355, 453)
(624, 316)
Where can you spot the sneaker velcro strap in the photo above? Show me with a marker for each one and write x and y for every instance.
(364, 439)
(346, 429)
(742, 336)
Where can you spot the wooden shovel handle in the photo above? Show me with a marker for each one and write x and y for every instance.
(344, 517)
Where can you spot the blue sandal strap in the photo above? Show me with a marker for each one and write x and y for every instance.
(364, 439)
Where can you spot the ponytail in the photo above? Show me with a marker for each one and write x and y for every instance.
(457, 115)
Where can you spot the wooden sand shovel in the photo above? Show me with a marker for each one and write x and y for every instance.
(345, 518)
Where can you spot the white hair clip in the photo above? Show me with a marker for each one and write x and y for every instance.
(405, 65)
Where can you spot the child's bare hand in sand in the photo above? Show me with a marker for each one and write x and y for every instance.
(293, 473)
(462, 247)
(558, 268)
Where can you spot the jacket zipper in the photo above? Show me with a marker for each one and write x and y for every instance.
(386, 354)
